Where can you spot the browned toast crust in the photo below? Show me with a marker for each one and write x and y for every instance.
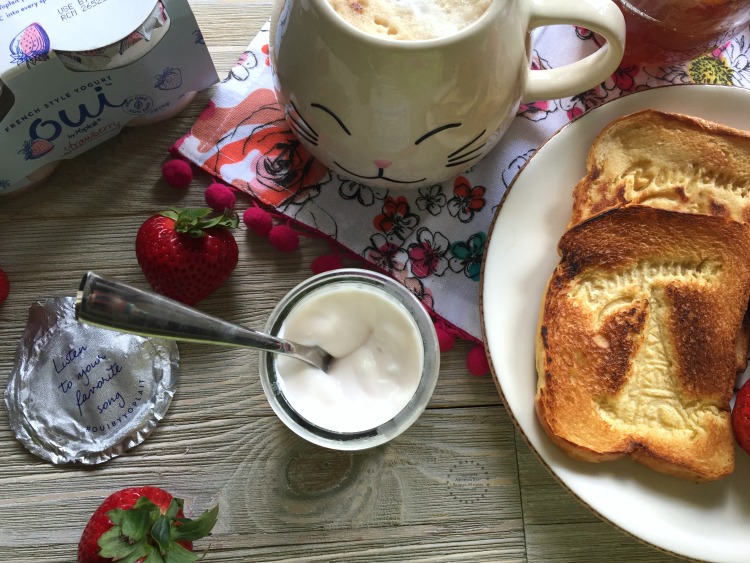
(637, 336)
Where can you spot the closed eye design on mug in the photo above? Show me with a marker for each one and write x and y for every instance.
(461, 156)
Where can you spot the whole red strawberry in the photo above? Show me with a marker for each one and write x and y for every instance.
(4, 287)
(186, 254)
(741, 417)
(142, 523)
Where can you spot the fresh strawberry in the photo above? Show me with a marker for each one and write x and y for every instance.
(186, 254)
(741, 417)
(142, 524)
(4, 287)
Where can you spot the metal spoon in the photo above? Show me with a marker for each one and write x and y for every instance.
(108, 303)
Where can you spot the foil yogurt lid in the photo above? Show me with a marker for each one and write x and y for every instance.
(84, 394)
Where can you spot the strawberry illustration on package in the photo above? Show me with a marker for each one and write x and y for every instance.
(36, 148)
(169, 79)
(30, 46)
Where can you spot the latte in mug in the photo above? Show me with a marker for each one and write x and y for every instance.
(410, 20)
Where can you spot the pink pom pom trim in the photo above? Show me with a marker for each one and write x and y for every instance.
(4, 287)
(476, 361)
(325, 263)
(446, 340)
(258, 220)
(219, 197)
(283, 238)
(177, 173)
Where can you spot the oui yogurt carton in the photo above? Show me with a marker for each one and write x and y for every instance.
(73, 73)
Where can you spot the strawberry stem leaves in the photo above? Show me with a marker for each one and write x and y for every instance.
(196, 221)
(144, 532)
(161, 532)
(116, 546)
(198, 528)
(135, 524)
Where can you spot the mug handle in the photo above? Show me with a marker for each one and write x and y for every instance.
(600, 16)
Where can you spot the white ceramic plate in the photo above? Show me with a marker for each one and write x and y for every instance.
(707, 521)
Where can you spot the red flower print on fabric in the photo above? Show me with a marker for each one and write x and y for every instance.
(386, 253)
(281, 166)
(587, 35)
(579, 104)
(416, 286)
(428, 256)
(396, 218)
(583, 33)
(466, 200)
(624, 78)
(537, 111)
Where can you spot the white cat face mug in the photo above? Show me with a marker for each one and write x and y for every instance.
(408, 93)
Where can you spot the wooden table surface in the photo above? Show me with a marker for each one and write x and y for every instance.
(460, 485)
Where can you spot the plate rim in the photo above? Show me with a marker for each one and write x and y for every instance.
(483, 323)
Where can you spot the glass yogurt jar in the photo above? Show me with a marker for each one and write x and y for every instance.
(385, 363)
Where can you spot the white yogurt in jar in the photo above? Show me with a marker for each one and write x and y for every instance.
(378, 358)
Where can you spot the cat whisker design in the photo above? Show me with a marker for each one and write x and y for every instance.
(459, 163)
(462, 155)
(301, 126)
(463, 158)
(300, 131)
(467, 145)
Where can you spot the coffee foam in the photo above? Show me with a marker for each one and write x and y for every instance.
(410, 20)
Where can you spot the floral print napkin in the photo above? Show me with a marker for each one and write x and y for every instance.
(431, 239)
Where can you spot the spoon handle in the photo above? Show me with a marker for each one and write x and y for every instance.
(112, 304)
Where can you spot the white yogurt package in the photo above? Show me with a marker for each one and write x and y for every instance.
(73, 73)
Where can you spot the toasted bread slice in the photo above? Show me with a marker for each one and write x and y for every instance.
(635, 347)
(669, 161)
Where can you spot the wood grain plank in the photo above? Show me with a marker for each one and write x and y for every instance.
(560, 528)
(595, 541)
(280, 495)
